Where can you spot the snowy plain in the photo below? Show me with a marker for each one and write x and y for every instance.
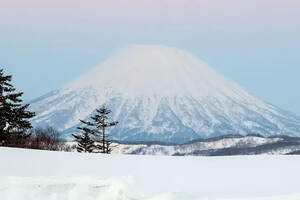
(35, 175)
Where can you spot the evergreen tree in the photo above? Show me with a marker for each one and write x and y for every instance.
(97, 128)
(100, 121)
(14, 117)
(84, 142)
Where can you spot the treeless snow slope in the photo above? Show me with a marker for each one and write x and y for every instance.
(31, 175)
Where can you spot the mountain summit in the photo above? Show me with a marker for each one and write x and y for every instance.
(162, 94)
(157, 70)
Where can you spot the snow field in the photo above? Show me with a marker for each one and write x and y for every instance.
(31, 175)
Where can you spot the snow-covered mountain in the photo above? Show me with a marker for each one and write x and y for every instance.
(164, 94)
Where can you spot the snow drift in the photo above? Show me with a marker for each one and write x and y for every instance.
(165, 94)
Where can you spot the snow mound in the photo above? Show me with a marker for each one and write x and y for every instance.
(56, 188)
(88, 188)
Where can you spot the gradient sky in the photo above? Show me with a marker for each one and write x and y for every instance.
(256, 43)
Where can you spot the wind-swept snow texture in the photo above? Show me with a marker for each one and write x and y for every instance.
(32, 175)
(164, 94)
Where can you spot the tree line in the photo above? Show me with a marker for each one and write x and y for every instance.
(17, 131)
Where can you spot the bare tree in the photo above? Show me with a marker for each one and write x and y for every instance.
(46, 139)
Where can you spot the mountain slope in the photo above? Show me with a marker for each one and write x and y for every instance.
(217, 146)
(165, 94)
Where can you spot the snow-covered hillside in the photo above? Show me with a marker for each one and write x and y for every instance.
(165, 94)
(219, 146)
(32, 175)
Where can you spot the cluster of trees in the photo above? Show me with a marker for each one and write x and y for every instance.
(14, 117)
(15, 127)
(94, 137)
(16, 130)
(46, 139)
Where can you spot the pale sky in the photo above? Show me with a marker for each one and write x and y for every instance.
(256, 43)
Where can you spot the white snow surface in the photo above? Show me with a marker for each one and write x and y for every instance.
(31, 175)
(158, 93)
(156, 70)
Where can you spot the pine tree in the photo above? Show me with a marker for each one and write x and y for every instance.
(84, 142)
(98, 128)
(14, 117)
(101, 123)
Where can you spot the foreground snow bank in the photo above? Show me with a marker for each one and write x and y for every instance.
(87, 188)
(64, 188)
(31, 175)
